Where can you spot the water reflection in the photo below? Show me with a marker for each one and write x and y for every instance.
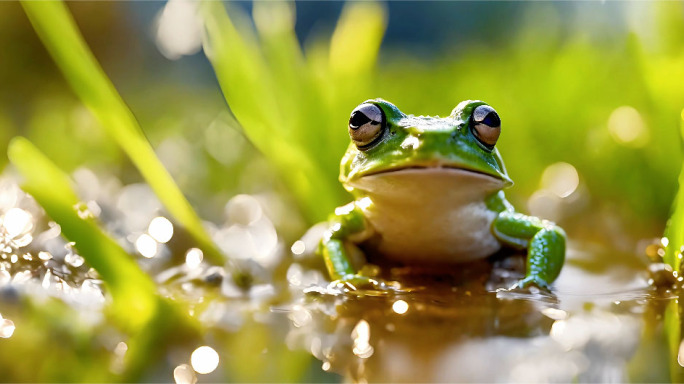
(459, 326)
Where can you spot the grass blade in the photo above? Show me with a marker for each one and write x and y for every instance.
(247, 83)
(132, 290)
(291, 107)
(136, 307)
(56, 28)
(675, 229)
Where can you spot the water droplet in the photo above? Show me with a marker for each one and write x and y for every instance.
(45, 256)
(47, 280)
(74, 259)
(83, 211)
(262, 292)
(5, 277)
(300, 316)
(160, 229)
(204, 360)
(193, 258)
(22, 241)
(183, 374)
(138, 203)
(265, 241)
(243, 210)
(16, 221)
(21, 277)
(344, 210)
(400, 307)
(6, 328)
(146, 246)
(92, 291)
(298, 247)
(555, 314)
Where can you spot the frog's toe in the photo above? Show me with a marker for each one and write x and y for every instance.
(357, 282)
(531, 281)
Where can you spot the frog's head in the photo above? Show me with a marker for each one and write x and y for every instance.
(462, 145)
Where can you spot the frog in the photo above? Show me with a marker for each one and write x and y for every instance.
(430, 190)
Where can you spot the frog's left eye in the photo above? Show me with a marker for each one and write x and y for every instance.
(486, 125)
(366, 124)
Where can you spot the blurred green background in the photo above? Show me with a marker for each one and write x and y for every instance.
(556, 72)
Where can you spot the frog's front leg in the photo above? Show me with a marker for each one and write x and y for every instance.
(545, 243)
(346, 224)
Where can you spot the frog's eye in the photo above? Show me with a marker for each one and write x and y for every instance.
(366, 124)
(486, 125)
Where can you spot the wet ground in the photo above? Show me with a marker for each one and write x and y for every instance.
(456, 326)
(602, 322)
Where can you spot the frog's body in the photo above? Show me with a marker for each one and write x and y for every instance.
(429, 190)
(455, 226)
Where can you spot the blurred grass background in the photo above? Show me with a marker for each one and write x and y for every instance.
(556, 73)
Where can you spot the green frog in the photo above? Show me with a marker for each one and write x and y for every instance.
(429, 190)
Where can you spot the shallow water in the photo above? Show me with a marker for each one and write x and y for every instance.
(594, 327)
(602, 322)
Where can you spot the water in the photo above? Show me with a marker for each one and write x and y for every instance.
(594, 327)
(603, 322)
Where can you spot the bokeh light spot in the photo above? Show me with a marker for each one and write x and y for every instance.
(664, 241)
(179, 32)
(627, 127)
(160, 229)
(146, 246)
(183, 374)
(193, 258)
(204, 360)
(6, 328)
(400, 307)
(17, 221)
(361, 336)
(561, 179)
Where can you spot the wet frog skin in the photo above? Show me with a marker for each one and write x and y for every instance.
(430, 190)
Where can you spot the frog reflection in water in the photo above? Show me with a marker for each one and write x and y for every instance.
(428, 190)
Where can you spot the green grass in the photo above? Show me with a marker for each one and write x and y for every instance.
(149, 320)
(293, 107)
(56, 28)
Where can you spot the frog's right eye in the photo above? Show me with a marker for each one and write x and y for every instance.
(486, 126)
(366, 124)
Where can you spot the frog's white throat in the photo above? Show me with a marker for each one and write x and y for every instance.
(430, 214)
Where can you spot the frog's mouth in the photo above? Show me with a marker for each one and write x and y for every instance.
(442, 167)
(445, 168)
(433, 178)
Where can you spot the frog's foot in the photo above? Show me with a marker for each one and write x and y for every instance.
(355, 282)
(531, 281)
